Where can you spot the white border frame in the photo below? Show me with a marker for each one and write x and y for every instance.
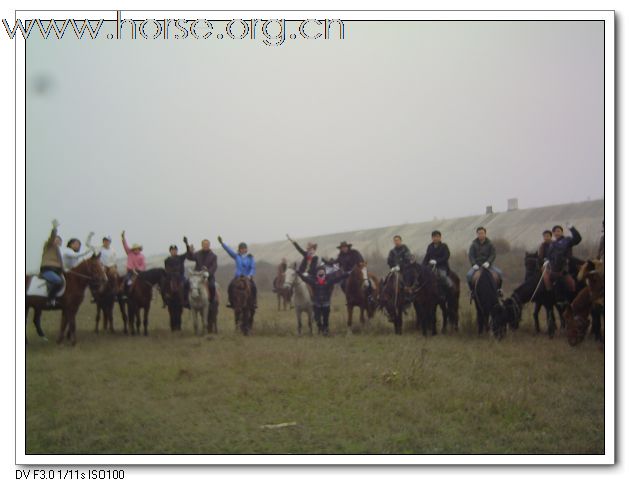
(608, 458)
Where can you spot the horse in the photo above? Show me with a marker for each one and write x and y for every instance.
(172, 288)
(361, 290)
(243, 304)
(421, 288)
(303, 303)
(282, 291)
(89, 272)
(106, 299)
(199, 298)
(139, 297)
(589, 302)
(449, 300)
(490, 310)
(391, 299)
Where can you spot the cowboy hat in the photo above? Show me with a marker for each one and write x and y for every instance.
(136, 246)
(344, 243)
(310, 245)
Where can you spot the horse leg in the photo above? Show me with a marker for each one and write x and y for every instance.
(72, 334)
(62, 330)
(481, 325)
(98, 316)
(145, 321)
(350, 308)
(362, 314)
(444, 316)
(536, 321)
(37, 320)
(551, 321)
(299, 321)
(310, 321)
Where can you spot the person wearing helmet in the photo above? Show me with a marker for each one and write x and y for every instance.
(245, 266)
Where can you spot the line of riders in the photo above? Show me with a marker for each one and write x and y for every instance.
(554, 254)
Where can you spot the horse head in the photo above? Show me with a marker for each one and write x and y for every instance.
(290, 277)
(92, 269)
(197, 280)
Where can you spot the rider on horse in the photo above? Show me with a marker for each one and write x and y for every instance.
(310, 261)
(135, 261)
(437, 257)
(347, 259)
(51, 267)
(205, 260)
(482, 255)
(106, 252)
(560, 251)
(399, 255)
(245, 266)
(543, 249)
(174, 267)
(322, 287)
(71, 255)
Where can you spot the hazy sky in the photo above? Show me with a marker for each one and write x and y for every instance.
(400, 122)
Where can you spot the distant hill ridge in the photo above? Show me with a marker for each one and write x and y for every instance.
(521, 228)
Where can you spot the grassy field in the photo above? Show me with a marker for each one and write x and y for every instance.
(365, 392)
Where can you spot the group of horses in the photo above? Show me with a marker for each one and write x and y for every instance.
(416, 285)
(419, 286)
(107, 288)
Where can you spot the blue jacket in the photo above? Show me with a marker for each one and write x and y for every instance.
(245, 264)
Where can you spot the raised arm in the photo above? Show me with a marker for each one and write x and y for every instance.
(88, 242)
(227, 248)
(576, 237)
(124, 243)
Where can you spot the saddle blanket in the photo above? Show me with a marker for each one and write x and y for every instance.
(39, 287)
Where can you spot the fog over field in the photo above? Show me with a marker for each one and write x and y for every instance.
(399, 122)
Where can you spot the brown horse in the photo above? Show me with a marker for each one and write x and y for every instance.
(139, 297)
(105, 300)
(243, 304)
(588, 302)
(89, 272)
(361, 290)
(284, 294)
(392, 300)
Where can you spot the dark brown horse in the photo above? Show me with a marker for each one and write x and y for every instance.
(243, 304)
(139, 297)
(284, 294)
(449, 300)
(106, 299)
(361, 290)
(172, 288)
(392, 300)
(89, 272)
(421, 288)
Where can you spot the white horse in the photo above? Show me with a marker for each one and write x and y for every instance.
(199, 299)
(301, 298)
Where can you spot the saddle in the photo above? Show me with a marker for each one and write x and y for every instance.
(38, 286)
(477, 274)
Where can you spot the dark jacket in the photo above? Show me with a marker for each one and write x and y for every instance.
(307, 266)
(480, 253)
(322, 292)
(347, 261)
(543, 251)
(203, 259)
(440, 253)
(175, 264)
(398, 256)
(560, 250)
